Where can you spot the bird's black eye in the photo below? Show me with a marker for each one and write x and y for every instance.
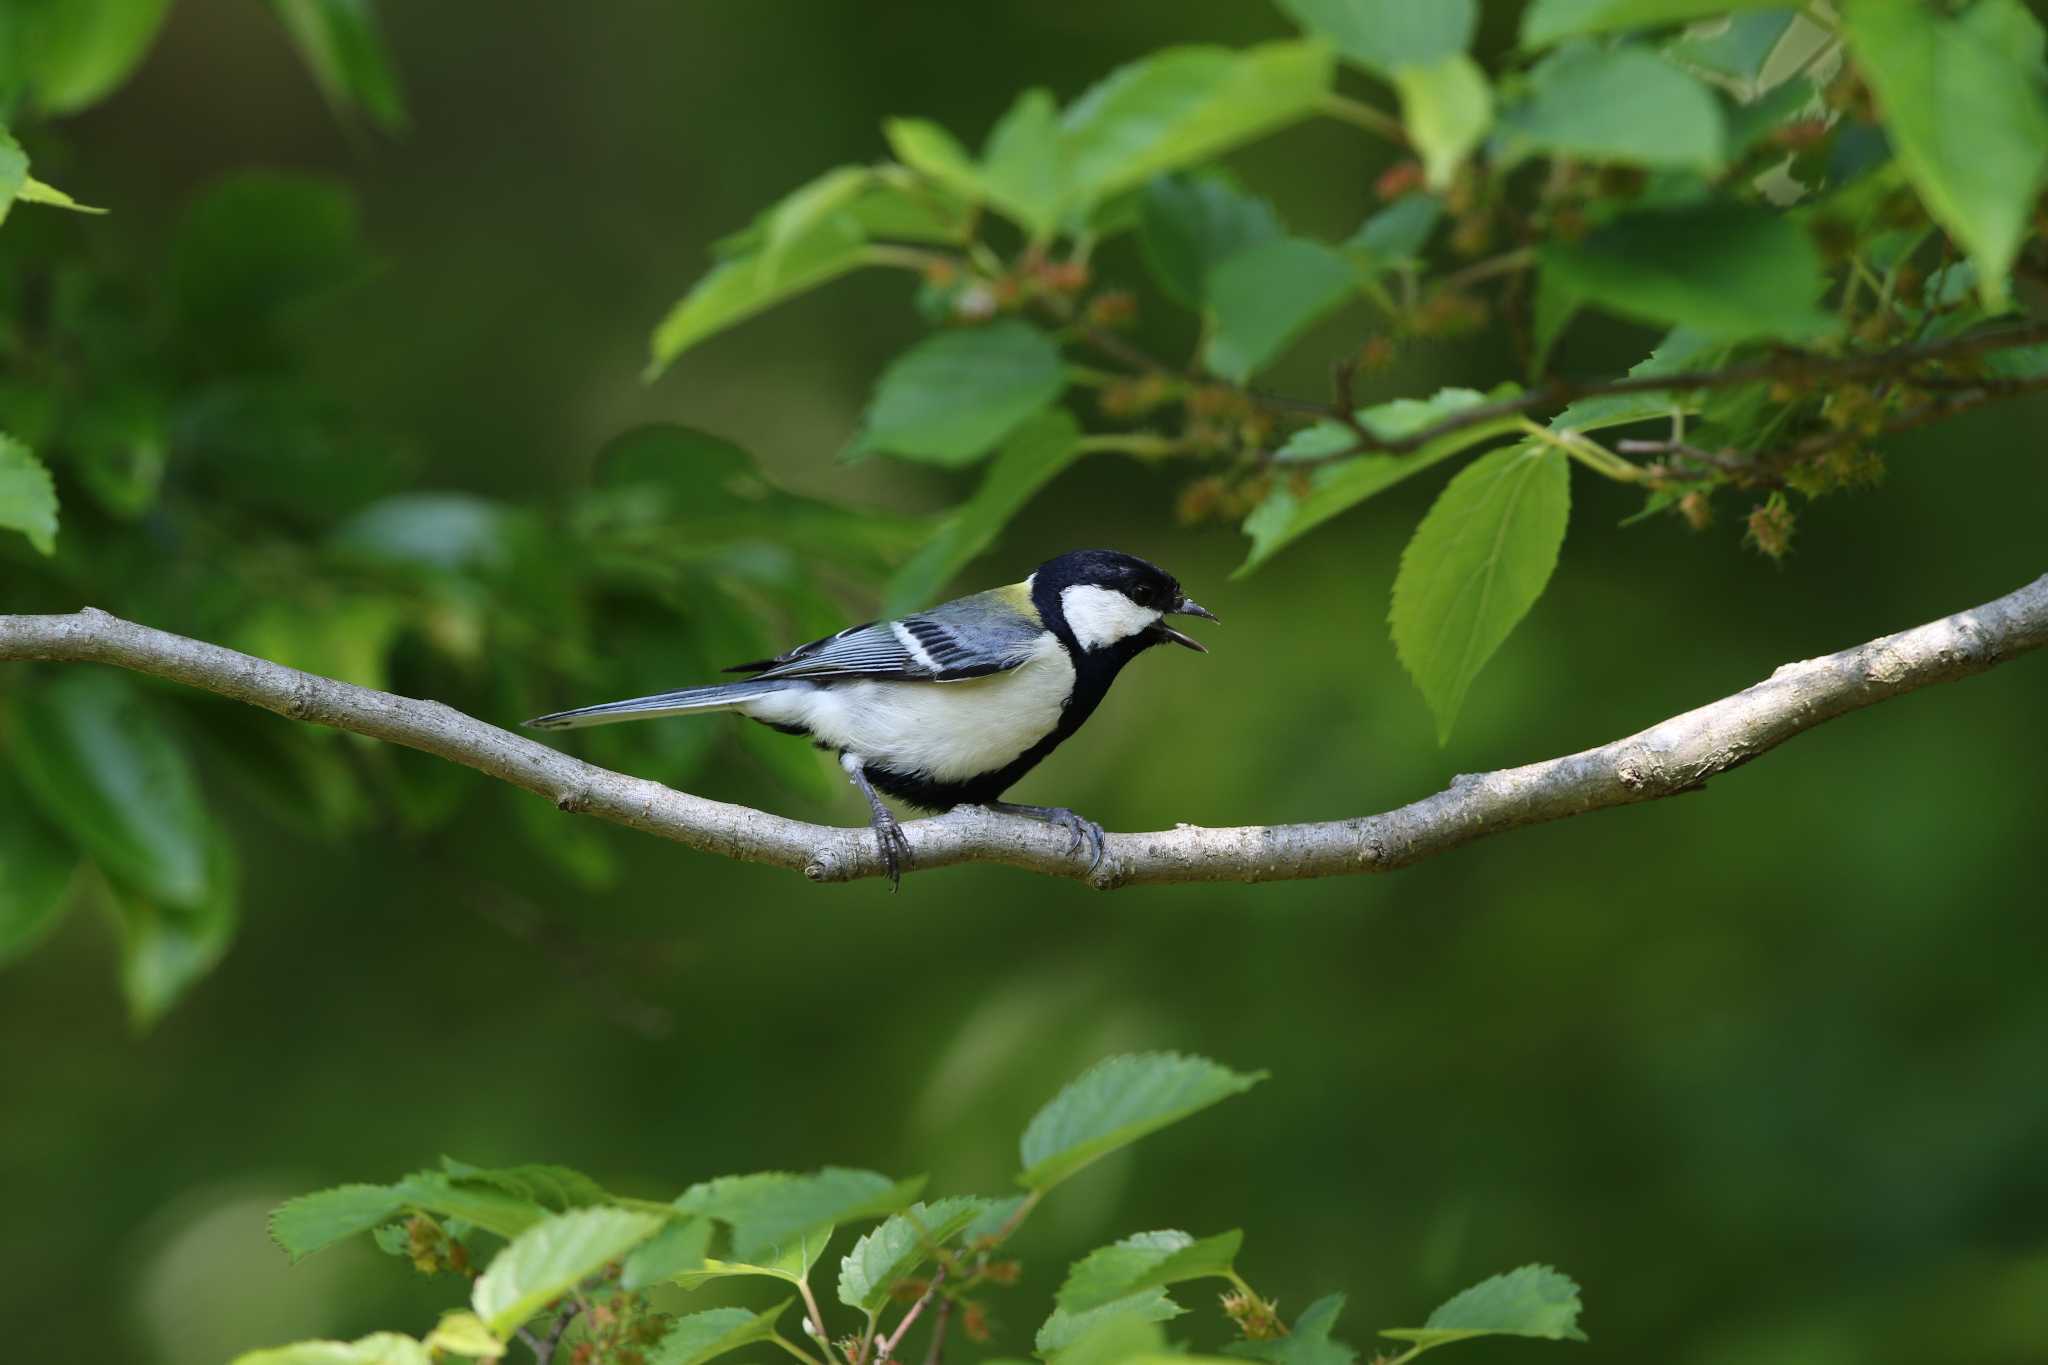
(1142, 594)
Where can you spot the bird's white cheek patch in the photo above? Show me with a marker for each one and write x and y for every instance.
(1103, 616)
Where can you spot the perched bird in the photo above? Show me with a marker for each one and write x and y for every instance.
(951, 706)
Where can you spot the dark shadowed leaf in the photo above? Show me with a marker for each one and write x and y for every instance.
(1477, 562)
(1188, 224)
(1622, 104)
(952, 397)
(164, 948)
(1116, 1102)
(1546, 21)
(678, 1248)
(104, 767)
(1741, 47)
(1728, 271)
(37, 864)
(1396, 235)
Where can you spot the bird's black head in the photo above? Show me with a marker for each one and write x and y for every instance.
(1104, 599)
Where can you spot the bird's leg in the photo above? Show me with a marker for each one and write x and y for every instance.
(889, 835)
(1077, 827)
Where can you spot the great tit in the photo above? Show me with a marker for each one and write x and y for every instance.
(951, 706)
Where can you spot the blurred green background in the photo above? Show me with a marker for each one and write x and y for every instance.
(1761, 1067)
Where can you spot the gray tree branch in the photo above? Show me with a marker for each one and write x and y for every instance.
(1673, 756)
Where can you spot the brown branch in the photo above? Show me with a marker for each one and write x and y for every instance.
(1673, 756)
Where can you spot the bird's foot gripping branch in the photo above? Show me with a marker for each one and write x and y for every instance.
(552, 1267)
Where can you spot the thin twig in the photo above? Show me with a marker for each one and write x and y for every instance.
(935, 1352)
(888, 1347)
(1673, 756)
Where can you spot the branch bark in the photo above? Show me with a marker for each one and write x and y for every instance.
(1673, 756)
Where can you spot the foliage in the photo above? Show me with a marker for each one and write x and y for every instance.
(1830, 230)
(565, 1281)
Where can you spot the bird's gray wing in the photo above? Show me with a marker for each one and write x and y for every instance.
(969, 638)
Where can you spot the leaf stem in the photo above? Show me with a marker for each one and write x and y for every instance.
(1588, 452)
(1363, 115)
(799, 1352)
(1139, 443)
(817, 1319)
(887, 1349)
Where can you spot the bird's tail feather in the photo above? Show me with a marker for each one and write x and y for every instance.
(723, 697)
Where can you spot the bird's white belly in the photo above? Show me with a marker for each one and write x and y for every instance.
(949, 731)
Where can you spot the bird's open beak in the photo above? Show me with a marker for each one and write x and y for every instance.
(1188, 607)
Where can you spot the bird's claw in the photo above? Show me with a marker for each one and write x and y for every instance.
(894, 845)
(1081, 830)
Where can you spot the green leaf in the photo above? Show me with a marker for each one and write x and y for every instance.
(28, 499)
(555, 1187)
(451, 533)
(1031, 458)
(1396, 235)
(165, 949)
(952, 397)
(37, 865)
(1147, 1260)
(13, 171)
(791, 1264)
(773, 1209)
(344, 46)
(1478, 561)
(464, 1333)
(913, 212)
(1024, 168)
(1741, 47)
(1383, 35)
(104, 768)
(704, 1336)
(380, 1348)
(1967, 117)
(1621, 104)
(552, 1257)
(1546, 21)
(1186, 105)
(737, 289)
(1187, 224)
(1125, 1322)
(1534, 1301)
(937, 155)
(1446, 106)
(1286, 515)
(253, 248)
(1266, 295)
(313, 1222)
(1116, 1102)
(899, 1246)
(1731, 272)
(1308, 1344)
(486, 1206)
(680, 1247)
(34, 191)
(1680, 350)
(76, 52)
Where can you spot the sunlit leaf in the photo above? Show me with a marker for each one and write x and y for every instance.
(1127, 1325)
(552, 1257)
(1309, 1343)
(1546, 21)
(1967, 118)
(344, 46)
(898, 1246)
(1534, 1301)
(1446, 106)
(1024, 167)
(1384, 35)
(315, 1221)
(1477, 562)
(737, 289)
(1147, 1260)
(1116, 1102)
(380, 1348)
(464, 1333)
(77, 52)
(1623, 104)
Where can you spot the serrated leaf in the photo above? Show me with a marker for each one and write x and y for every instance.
(491, 1209)
(1533, 1301)
(28, 499)
(1623, 104)
(1188, 224)
(993, 1220)
(343, 45)
(464, 1333)
(704, 1336)
(554, 1187)
(952, 397)
(379, 1348)
(1730, 271)
(1116, 1102)
(1546, 21)
(103, 766)
(790, 1264)
(771, 1210)
(900, 1245)
(1383, 35)
(1681, 349)
(680, 1247)
(1185, 105)
(1477, 562)
(1146, 1260)
(1123, 1322)
(313, 1222)
(1967, 117)
(1286, 514)
(1265, 295)
(1446, 106)
(1032, 457)
(1308, 1344)
(552, 1257)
